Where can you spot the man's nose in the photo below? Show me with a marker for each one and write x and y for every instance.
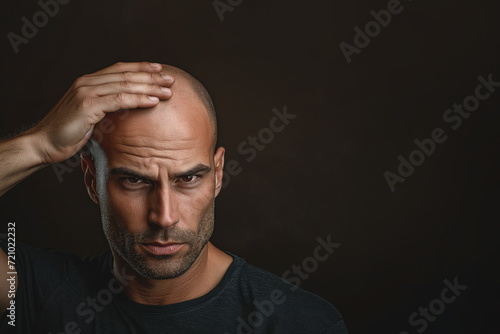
(163, 208)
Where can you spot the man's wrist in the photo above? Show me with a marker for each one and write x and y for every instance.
(32, 144)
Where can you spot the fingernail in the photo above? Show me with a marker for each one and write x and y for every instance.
(165, 89)
(153, 98)
(156, 65)
(167, 77)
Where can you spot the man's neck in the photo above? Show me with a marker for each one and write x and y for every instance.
(203, 276)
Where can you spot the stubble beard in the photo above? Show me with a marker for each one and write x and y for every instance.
(156, 267)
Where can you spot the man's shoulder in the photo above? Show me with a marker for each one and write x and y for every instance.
(296, 305)
(53, 265)
(51, 254)
(260, 281)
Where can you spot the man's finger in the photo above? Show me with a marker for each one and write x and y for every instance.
(114, 102)
(130, 88)
(133, 67)
(162, 79)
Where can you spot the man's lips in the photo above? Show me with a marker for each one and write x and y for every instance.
(160, 248)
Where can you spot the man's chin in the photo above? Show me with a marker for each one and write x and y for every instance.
(155, 270)
(160, 267)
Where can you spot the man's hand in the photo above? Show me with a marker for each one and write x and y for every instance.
(69, 125)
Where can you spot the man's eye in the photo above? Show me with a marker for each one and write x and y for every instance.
(133, 179)
(189, 178)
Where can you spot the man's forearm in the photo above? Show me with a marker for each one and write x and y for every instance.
(19, 159)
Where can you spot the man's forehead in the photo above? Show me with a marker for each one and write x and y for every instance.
(145, 154)
(176, 120)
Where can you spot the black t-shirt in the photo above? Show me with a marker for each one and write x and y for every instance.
(61, 293)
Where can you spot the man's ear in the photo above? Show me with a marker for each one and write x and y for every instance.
(219, 169)
(88, 168)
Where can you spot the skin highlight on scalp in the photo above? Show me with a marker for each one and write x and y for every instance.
(199, 90)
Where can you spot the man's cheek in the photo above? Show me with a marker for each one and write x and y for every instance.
(194, 207)
(202, 197)
(127, 206)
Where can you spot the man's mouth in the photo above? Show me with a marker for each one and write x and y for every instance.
(162, 248)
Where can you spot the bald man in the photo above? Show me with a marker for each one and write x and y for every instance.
(155, 178)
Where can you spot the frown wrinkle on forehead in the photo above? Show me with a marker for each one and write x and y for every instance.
(159, 132)
(147, 146)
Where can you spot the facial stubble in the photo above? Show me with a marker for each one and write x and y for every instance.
(127, 245)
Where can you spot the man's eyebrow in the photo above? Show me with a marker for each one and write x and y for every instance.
(199, 168)
(126, 171)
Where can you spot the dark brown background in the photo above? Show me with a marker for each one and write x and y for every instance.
(324, 173)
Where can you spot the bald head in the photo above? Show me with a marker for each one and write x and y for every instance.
(185, 80)
(189, 97)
